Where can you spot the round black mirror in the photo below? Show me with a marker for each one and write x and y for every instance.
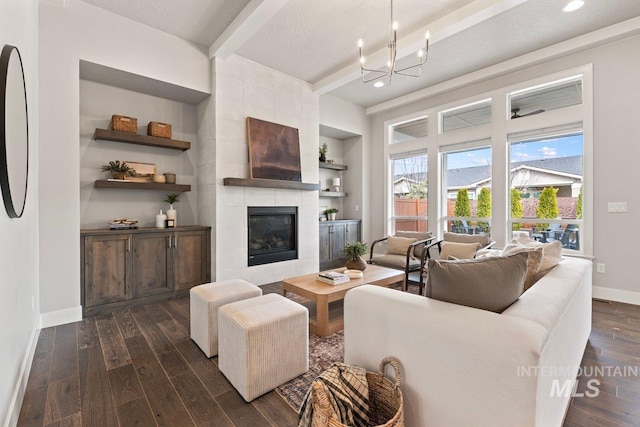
(14, 132)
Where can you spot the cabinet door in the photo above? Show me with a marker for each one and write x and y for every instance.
(151, 264)
(352, 232)
(189, 259)
(338, 236)
(107, 269)
(325, 245)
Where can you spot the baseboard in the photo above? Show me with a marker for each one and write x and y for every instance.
(60, 317)
(618, 295)
(21, 384)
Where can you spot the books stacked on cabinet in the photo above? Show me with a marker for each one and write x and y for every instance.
(333, 278)
(123, 224)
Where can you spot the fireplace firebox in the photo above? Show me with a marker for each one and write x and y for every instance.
(273, 234)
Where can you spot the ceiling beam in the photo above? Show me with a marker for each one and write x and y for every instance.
(254, 15)
(453, 23)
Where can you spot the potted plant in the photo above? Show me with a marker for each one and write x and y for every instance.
(118, 170)
(354, 252)
(323, 152)
(172, 213)
(331, 214)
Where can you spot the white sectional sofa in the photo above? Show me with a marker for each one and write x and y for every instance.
(463, 366)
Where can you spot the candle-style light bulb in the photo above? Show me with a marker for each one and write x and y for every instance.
(362, 59)
(359, 42)
(427, 35)
(420, 53)
(395, 25)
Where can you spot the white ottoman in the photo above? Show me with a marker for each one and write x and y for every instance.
(264, 342)
(204, 302)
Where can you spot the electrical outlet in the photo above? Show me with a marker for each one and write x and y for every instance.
(600, 267)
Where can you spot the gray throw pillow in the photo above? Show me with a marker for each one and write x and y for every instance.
(492, 283)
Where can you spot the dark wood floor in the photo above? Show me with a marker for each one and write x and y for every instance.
(139, 366)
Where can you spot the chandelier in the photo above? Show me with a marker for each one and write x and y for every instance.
(414, 70)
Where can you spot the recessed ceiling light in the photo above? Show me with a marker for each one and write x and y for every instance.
(573, 5)
(378, 84)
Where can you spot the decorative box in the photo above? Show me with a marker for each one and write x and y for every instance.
(162, 130)
(124, 124)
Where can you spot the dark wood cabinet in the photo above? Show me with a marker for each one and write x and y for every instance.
(333, 237)
(126, 267)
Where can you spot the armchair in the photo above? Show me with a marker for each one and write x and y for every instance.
(403, 251)
(434, 250)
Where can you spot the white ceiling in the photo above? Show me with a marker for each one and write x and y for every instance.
(315, 40)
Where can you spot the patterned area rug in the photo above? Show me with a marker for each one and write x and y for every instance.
(323, 351)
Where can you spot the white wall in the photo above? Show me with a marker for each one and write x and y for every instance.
(19, 320)
(70, 31)
(97, 103)
(616, 93)
(243, 89)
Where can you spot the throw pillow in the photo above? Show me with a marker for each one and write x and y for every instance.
(459, 250)
(483, 239)
(492, 283)
(533, 263)
(399, 245)
(551, 253)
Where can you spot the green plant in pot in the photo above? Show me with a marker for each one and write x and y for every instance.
(354, 252)
(323, 152)
(118, 170)
(331, 214)
(172, 213)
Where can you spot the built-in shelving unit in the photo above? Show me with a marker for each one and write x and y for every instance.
(334, 166)
(333, 194)
(133, 138)
(270, 183)
(127, 185)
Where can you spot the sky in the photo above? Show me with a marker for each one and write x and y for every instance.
(535, 150)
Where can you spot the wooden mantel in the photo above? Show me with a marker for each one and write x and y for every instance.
(270, 183)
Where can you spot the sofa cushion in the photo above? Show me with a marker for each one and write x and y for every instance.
(492, 283)
(483, 239)
(459, 250)
(533, 263)
(399, 245)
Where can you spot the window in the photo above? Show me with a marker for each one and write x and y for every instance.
(407, 131)
(409, 193)
(550, 96)
(546, 176)
(467, 186)
(470, 115)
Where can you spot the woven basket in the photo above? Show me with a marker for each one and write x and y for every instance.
(162, 130)
(385, 400)
(124, 124)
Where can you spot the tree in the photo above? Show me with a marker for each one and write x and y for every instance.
(516, 208)
(547, 205)
(579, 205)
(417, 190)
(463, 206)
(483, 208)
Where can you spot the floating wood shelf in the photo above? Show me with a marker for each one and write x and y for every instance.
(103, 183)
(334, 166)
(133, 138)
(270, 183)
(333, 194)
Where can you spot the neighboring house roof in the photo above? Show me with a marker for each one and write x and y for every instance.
(467, 177)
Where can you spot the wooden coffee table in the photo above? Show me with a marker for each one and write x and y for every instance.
(322, 294)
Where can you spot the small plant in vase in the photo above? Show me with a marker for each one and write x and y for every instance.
(118, 170)
(331, 214)
(171, 213)
(323, 153)
(354, 253)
